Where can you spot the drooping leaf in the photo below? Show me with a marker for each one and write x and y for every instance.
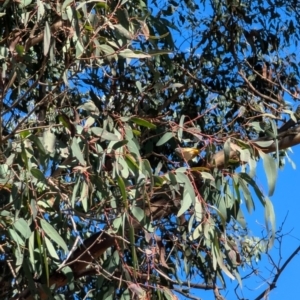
(122, 188)
(180, 130)
(270, 170)
(227, 150)
(47, 38)
(51, 248)
(53, 235)
(77, 151)
(270, 219)
(247, 195)
(22, 226)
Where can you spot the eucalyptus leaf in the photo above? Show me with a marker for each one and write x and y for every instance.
(22, 226)
(270, 170)
(104, 134)
(53, 235)
(165, 138)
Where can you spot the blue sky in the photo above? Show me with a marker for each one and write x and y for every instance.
(286, 204)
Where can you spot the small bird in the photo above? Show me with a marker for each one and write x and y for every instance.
(187, 153)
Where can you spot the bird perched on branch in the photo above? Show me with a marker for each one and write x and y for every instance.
(290, 123)
(187, 153)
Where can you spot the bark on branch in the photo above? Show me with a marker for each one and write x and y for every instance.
(286, 140)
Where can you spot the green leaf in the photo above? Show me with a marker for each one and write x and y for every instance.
(46, 265)
(38, 174)
(143, 122)
(270, 218)
(75, 191)
(271, 171)
(51, 248)
(19, 256)
(148, 171)
(66, 122)
(186, 202)
(252, 167)
(65, 4)
(222, 211)
(22, 226)
(104, 134)
(207, 175)
(67, 271)
(166, 137)
(47, 38)
(116, 224)
(84, 195)
(227, 150)
(24, 156)
(247, 195)
(122, 188)
(131, 162)
(119, 144)
(108, 51)
(37, 142)
(180, 130)
(258, 192)
(123, 31)
(127, 53)
(133, 147)
(31, 251)
(24, 3)
(196, 233)
(15, 236)
(183, 178)
(264, 144)
(77, 151)
(138, 213)
(53, 235)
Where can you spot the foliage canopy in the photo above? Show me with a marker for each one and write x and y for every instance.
(100, 102)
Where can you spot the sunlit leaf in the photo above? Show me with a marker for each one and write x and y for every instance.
(270, 219)
(51, 248)
(77, 151)
(22, 226)
(142, 122)
(127, 53)
(53, 235)
(104, 134)
(227, 150)
(271, 171)
(166, 137)
(47, 38)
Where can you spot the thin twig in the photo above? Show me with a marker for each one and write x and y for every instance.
(272, 285)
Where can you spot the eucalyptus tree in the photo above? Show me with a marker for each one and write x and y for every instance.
(130, 137)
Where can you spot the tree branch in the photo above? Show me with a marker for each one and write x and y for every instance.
(286, 139)
(272, 285)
